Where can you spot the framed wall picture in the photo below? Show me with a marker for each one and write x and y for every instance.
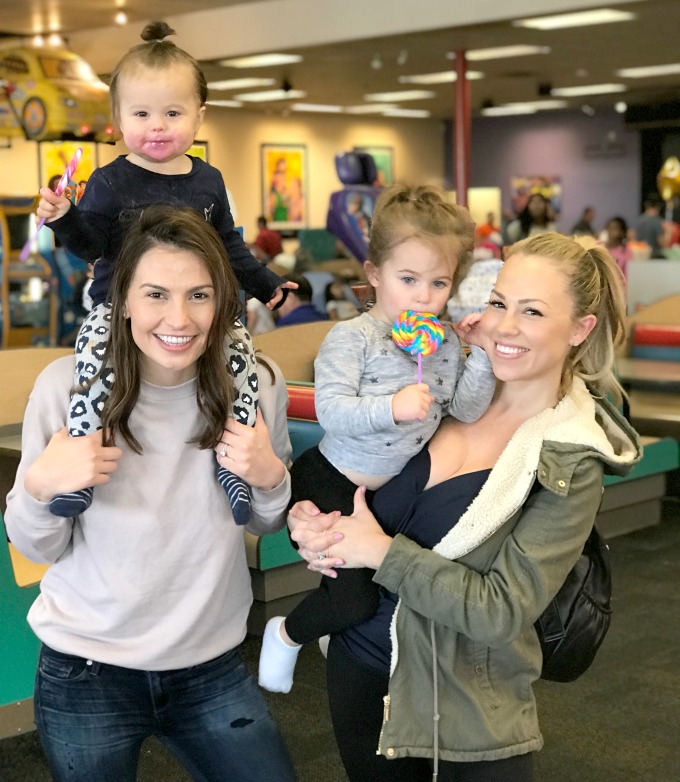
(54, 156)
(284, 185)
(199, 149)
(384, 162)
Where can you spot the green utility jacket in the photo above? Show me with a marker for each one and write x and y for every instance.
(464, 650)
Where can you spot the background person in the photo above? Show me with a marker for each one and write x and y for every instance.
(649, 227)
(616, 242)
(479, 532)
(145, 605)
(535, 218)
(298, 307)
(267, 244)
(338, 306)
(584, 225)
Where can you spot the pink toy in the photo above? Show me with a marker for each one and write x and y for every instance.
(418, 333)
(61, 186)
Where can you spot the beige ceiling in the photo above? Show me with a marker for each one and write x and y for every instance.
(342, 73)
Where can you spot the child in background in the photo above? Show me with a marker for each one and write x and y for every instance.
(158, 94)
(374, 415)
(616, 243)
(338, 306)
(473, 292)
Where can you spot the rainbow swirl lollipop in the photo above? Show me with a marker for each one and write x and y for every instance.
(418, 333)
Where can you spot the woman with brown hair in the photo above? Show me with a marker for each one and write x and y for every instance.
(145, 604)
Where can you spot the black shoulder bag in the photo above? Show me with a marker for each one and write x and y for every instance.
(573, 626)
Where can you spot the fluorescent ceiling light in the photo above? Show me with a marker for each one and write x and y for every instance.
(403, 95)
(503, 111)
(229, 104)
(649, 70)
(524, 107)
(541, 105)
(261, 60)
(413, 113)
(240, 84)
(576, 19)
(370, 108)
(499, 52)
(322, 108)
(265, 95)
(443, 77)
(587, 89)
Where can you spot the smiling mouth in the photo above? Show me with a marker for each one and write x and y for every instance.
(166, 340)
(509, 350)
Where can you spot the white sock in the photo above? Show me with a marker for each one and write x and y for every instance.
(323, 644)
(277, 659)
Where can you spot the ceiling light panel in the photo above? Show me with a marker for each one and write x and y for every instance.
(587, 89)
(576, 19)
(320, 108)
(400, 95)
(261, 60)
(240, 84)
(506, 111)
(409, 113)
(229, 104)
(370, 108)
(501, 52)
(271, 95)
(650, 70)
(443, 77)
(524, 107)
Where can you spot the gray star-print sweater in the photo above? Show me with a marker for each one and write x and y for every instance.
(358, 371)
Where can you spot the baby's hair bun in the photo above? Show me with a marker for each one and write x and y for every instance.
(156, 32)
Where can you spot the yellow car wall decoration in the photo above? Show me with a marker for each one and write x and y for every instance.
(52, 94)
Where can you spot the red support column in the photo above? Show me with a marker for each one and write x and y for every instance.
(461, 130)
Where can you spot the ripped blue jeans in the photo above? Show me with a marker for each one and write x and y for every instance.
(92, 719)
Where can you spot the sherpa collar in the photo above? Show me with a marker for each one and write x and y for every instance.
(578, 420)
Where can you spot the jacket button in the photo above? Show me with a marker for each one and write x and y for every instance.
(390, 752)
(479, 670)
(543, 473)
(561, 484)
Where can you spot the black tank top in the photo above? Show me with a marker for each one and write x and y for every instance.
(404, 506)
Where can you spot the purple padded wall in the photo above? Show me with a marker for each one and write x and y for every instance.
(350, 210)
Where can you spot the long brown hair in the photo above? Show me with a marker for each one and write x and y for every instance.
(184, 229)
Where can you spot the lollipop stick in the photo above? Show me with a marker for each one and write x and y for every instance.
(420, 368)
(59, 189)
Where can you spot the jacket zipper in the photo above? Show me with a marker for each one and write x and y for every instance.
(386, 716)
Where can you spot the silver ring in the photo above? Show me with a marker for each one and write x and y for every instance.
(321, 555)
(223, 452)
